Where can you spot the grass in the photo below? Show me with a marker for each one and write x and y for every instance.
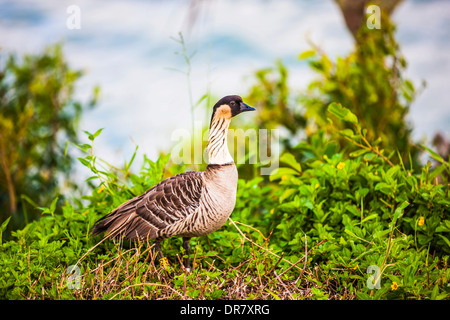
(137, 273)
(322, 228)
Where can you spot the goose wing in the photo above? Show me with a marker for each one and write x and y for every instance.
(141, 217)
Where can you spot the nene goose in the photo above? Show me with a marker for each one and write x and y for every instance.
(189, 204)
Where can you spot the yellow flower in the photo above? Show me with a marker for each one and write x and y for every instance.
(325, 157)
(316, 186)
(271, 211)
(284, 178)
(101, 188)
(341, 165)
(394, 286)
(164, 263)
(421, 221)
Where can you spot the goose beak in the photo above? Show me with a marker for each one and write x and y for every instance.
(245, 107)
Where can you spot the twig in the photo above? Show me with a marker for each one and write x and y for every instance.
(76, 264)
(246, 225)
(283, 284)
(306, 260)
(372, 148)
(147, 284)
(261, 247)
(305, 256)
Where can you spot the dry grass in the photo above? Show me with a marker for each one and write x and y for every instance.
(136, 273)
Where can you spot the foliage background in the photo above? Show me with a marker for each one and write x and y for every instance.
(351, 192)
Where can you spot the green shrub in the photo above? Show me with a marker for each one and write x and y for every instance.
(355, 212)
(38, 113)
(369, 82)
(370, 212)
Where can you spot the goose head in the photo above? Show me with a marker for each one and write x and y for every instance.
(230, 106)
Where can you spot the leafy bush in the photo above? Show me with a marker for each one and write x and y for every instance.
(370, 212)
(335, 215)
(369, 81)
(38, 113)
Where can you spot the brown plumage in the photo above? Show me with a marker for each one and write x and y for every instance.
(189, 204)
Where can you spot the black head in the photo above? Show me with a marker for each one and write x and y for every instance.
(230, 106)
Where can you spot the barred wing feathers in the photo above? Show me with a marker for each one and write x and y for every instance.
(144, 216)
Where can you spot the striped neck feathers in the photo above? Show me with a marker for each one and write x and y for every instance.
(217, 143)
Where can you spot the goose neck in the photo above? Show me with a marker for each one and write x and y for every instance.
(217, 142)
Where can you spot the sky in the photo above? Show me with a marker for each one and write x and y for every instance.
(128, 49)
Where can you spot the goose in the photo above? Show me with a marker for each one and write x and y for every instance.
(189, 204)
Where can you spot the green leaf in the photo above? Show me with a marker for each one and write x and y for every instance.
(85, 162)
(3, 228)
(290, 207)
(342, 113)
(369, 156)
(398, 213)
(358, 153)
(53, 205)
(384, 187)
(369, 217)
(352, 209)
(4, 224)
(276, 297)
(28, 199)
(380, 234)
(280, 172)
(97, 133)
(200, 100)
(287, 193)
(347, 133)
(401, 208)
(434, 155)
(307, 54)
(445, 239)
(350, 233)
(435, 292)
(290, 160)
(93, 136)
(392, 171)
